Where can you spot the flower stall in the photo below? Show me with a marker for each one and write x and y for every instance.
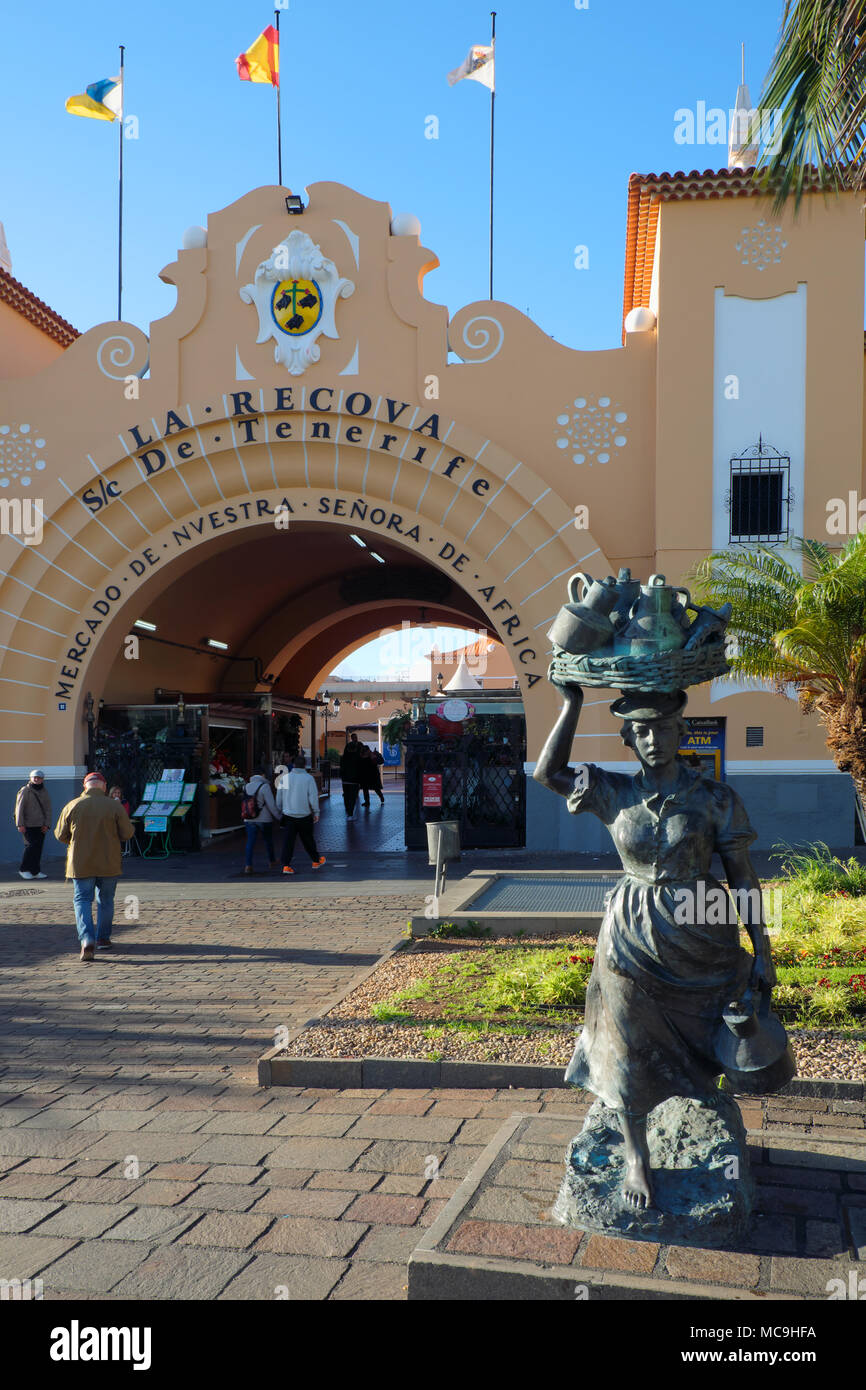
(226, 780)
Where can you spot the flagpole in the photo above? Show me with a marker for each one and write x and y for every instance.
(279, 127)
(120, 198)
(492, 109)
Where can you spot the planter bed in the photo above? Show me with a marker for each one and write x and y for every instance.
(538, 1043)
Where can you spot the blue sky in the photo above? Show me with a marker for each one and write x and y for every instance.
(584, 97)
(402, 655)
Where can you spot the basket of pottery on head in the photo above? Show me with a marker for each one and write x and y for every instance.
(631, 636)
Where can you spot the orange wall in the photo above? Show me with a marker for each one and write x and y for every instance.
(24, 348)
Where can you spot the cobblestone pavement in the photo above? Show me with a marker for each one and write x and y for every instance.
(139, 1160)
(159, 1039)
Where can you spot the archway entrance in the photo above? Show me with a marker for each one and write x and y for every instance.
(285, 604)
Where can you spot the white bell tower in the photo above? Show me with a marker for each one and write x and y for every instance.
(745, 124)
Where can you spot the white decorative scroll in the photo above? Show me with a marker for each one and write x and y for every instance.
(120, 353)
(478, 333)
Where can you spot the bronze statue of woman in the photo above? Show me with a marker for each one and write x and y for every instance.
(665, 969)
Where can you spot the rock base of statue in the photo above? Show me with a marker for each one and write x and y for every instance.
(703, 1186)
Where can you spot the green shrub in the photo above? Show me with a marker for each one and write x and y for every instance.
(815, 868)
(472, 930)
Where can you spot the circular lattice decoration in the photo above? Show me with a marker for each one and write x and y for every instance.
(593, 430)
(20, 455)
(761, 246)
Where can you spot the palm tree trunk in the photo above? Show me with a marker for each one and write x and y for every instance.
(846, 739)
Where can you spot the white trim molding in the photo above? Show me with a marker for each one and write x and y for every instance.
(806, 767)
(11, 774)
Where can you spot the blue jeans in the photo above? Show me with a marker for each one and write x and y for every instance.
(82, 899)
(267, 829)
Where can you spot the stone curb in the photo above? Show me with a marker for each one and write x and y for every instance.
(434, 1276)
(410, 1072)
(321, 1067)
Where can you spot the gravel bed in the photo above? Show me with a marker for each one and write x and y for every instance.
(348, 1030)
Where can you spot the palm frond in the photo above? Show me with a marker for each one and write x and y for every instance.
(805, 629)
(817, 84)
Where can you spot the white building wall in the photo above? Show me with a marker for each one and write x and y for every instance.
(759, 369)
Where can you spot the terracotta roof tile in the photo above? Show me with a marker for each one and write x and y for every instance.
(35, 310)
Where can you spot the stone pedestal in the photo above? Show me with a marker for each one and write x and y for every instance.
(700, 1170)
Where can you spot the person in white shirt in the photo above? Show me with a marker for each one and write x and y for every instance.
(298, 799)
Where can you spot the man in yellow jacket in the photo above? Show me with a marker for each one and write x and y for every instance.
(94, 826)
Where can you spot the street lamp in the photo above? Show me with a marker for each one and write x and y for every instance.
(88, 705)
(330, 712)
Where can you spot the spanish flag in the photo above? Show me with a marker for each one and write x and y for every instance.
(102, 100)
(261, 62)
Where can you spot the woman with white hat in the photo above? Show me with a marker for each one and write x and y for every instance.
(33, 819)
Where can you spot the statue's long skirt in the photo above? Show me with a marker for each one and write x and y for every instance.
(656, 995)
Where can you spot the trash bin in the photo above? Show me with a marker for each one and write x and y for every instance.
(443, 841)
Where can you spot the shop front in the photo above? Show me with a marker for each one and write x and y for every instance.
(216, 742)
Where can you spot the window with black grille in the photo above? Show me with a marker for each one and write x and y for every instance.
(754, 735)
(760, 495)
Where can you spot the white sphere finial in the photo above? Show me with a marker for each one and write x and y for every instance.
(405, 224)
(194, 238)
(640, 320)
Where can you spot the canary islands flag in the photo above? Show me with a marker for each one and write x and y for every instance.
(102, 100)
(261, 62)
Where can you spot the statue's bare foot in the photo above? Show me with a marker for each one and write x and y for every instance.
(637, 1189)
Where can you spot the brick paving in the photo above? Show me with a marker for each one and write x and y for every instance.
(139, 1160)
(809, 1225)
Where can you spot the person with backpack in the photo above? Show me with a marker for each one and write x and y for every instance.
(298, 799)
(259, 812)
(33, 819)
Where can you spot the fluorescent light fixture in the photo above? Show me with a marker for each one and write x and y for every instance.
(148, 627)
(213, 642)
(377, 557)
(357, 539)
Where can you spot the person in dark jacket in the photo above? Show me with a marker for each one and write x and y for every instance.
(369, 777)
(350, 773)
(33, 819)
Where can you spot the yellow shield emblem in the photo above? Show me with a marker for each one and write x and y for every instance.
(296, 306)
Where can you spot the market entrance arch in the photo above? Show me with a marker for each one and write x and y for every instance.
(253, 527)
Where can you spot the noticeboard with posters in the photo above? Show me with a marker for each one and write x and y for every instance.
(705, 740)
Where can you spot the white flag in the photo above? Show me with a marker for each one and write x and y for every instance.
(477, 66)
